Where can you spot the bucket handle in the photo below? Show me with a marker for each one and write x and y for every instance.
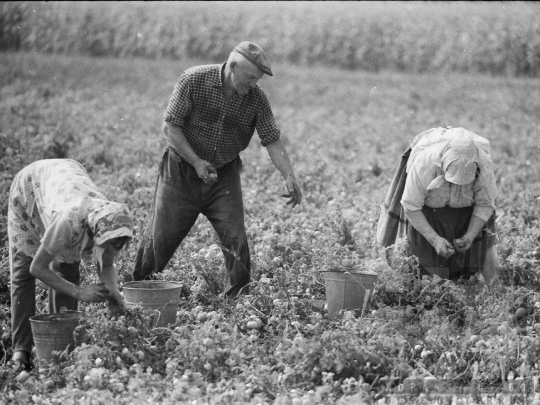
(367, 296)
(347, 272)
(164, 305)
(358, 282)
(362, 285)
(367, 299)
(173, 302)
(54, 319)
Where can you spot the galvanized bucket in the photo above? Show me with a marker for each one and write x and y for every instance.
(162, 297)
(54, 332)
(348, 290)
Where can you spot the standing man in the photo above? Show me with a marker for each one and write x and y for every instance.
(211, 117)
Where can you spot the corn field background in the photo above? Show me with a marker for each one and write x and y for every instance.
(498, 38)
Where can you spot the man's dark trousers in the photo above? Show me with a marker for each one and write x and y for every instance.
(179, 198)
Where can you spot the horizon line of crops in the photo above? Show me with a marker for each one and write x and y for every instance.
(494, 38)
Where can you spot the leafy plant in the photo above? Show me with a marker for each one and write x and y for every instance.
(276, 344)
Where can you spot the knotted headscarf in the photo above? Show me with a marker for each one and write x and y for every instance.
(459, 161)
(111, 220)
(461, 155)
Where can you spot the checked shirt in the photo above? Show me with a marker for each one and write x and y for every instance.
(218, 129)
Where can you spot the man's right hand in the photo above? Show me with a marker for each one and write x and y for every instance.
(443, 247)
(93, 293)
(206, 172)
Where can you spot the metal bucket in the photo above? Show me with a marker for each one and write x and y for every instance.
(54, 332)
(348, 290)
(160, 296)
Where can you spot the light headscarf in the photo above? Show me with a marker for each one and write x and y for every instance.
(459, 161)
(462, 156)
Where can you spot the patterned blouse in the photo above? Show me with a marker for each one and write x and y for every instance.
(47, 192)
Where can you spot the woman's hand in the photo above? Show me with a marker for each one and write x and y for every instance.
(109, 276)
(93, 292)
(463, 244)
(116, 302)
(40, 269)
(443, 247)
(475, 227)
(418, 220)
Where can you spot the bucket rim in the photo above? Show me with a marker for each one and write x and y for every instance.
(351, 271)
(58, 317)
(131, 284)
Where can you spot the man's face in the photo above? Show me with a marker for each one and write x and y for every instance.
(244, 77)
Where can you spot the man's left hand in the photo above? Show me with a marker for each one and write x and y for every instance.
(294, 193)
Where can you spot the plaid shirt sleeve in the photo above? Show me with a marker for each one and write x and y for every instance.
(180, 103)
(266, 126)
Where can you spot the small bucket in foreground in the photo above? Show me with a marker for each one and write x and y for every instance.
(160, 296)
(348, 290)
(54, 332)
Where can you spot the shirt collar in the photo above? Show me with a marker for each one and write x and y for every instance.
(216, 79)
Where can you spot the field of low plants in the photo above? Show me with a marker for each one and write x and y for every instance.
(501, 38)
(345, 132)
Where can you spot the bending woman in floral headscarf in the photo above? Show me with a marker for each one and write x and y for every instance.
(55, 213)
(444, 194)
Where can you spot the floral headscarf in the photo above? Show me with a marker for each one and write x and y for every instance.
(111, 220)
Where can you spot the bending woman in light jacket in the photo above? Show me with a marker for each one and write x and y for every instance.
(448, 201)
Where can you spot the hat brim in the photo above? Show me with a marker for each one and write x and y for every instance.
(262, 68)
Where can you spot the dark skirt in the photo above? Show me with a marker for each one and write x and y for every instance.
(451, 223)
